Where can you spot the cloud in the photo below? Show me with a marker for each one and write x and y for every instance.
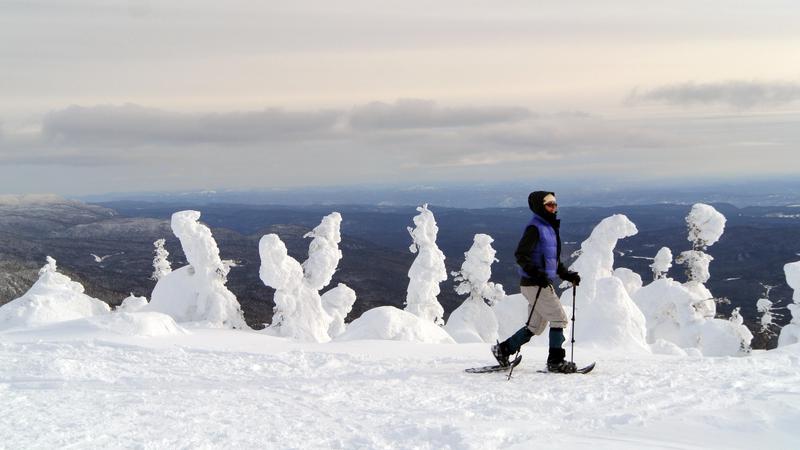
(133, 125)
(739, 94)
(421, 114)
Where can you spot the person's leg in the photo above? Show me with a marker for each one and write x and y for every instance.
(552, 311)
(503, 350)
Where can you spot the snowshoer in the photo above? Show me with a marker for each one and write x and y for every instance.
(539, 258)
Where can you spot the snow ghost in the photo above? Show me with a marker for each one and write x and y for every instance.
(428, 269)
(54, 297)
(605, 313)
(684, 314)
(474, 320)
(661, 263)
(790, 333)
(706, 226)
(197, 292)
(300, 312)
(161, 265)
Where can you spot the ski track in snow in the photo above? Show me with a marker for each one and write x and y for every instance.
(103, 394)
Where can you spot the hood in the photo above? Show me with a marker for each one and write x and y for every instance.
(536, 204)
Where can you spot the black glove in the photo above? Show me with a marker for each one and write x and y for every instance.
(572, 277)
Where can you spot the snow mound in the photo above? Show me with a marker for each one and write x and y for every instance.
(53, 298)
(672, 315)
(511, 315)
(473, 321)
(630, 279)
(390, 323)
(136, 324)
(132, 303)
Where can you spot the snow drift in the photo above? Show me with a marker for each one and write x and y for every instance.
(390, 323)
(54, 297)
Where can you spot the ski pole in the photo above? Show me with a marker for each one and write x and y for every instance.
(572, 350)
(527, 324)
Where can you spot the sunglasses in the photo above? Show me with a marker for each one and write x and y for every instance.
(551, 204)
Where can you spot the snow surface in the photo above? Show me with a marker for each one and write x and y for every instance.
(223, 388)
(74, 374)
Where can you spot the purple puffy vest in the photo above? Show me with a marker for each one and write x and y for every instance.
(545, 254)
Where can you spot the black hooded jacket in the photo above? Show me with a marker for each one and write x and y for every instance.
(530, 238)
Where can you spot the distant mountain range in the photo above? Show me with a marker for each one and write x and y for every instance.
(740, 193)
(109, 246)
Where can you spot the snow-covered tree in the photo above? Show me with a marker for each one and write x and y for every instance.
(769, 313)
(428, 269)
(161, 265)
(300, 312)
(684, 314)
(197, 292)
(608, 316)
(474, 320)
(745, 336)
(706, 226)
(790, 333)
(661, 263)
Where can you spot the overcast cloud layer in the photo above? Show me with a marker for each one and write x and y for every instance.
(135, 95)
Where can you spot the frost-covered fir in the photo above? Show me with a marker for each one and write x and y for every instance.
(197, 291)
(427, 270)
(474, 320)
(161, 265)
(680, 317)
(606, 315)
(705, 225)
(300, 312)
(661, 263)
(790, 333)
(54, 297)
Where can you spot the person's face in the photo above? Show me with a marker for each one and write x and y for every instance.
(551, 206)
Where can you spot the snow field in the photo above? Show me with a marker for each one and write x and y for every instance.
(236, 389)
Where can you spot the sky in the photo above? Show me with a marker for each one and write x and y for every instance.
(109, 96)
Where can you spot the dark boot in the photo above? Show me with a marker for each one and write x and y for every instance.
(501, 353)
(557, 363)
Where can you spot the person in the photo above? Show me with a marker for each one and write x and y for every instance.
(538, 256)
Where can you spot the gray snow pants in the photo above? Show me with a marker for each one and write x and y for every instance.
(548, 309)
